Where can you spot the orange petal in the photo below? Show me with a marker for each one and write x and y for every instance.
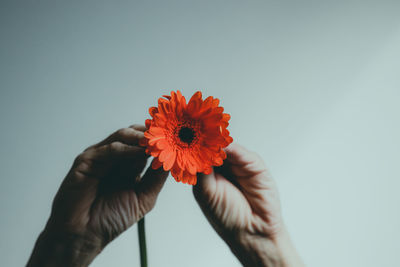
(194, 103)
(154, 132)
(207, 170)
(215, 102)
(195, 96)
(226, 117)
(165, 154)
(181, 99)
(208, 102)
(177, 173)
(148, 123)
(169, 162)
(222, 154)
(186, 162)
(155, 153)
(163, 106)
(217, 161)
(184, 177)
(153, 110)
(143, 142)
(153, 140)
(156, 164)
(162, 144)
(160, 120)
(179, 159)
(192, 180)
(190, 164)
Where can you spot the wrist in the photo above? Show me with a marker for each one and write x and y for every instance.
(256, 251)
(272, 251)
(287, 251)
(59, 248)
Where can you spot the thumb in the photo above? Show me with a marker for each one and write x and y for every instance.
(151, 184)
(205, 188)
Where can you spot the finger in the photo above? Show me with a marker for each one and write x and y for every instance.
(116, 150)
(204, 192)
(247, 170)
(218, 198)
(138, 127)
(129, 136)
(239, 155)
(205, 187)
(153, 181)
(84, 167)
(150, 186)
(243, 161)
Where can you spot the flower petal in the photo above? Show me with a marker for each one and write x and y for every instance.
(153, 110)
(182, 157)
(162, 143)
(156, 164)
(152, 141)
(169, 162)
(165, 154)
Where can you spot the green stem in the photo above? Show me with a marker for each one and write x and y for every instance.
(142, 244)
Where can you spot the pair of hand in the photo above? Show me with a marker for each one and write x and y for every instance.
(103, 195)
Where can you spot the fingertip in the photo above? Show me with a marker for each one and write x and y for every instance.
(205, 186)
(240, 155)
(138, 127)
(158, 172)
(234, 148)
(130, 136)
(153, 180)
(200, 179)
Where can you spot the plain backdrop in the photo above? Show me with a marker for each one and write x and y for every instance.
(312, 86)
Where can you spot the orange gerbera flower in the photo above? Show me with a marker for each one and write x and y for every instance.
(187, 138)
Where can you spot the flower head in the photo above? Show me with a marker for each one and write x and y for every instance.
(187, 138)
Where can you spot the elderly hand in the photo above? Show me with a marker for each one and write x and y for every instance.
(101, 196)
(240, 200)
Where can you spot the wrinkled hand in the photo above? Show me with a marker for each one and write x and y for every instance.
(241, 201)
(101, 196)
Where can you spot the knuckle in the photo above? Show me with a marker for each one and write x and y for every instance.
(139, 135)
(78, 174)
(136, 126)
(129, 135)
(115, 146)
(124, 132)
(82, 157)
(78, 158)
(136, 131)
(89, 148)
(134, 137)
(150, 205)
(82, 166)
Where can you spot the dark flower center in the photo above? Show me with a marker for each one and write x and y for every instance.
(186, 135)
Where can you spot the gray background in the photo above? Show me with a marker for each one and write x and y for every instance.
(313, 86)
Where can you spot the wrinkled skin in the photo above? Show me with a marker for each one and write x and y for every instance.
(240, 200)
(101, 196)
